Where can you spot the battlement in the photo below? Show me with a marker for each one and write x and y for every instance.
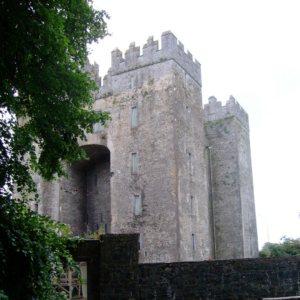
(93, 69)
(214, 111)
(171, 49)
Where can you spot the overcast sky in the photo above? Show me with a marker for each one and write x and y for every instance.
(248, 49)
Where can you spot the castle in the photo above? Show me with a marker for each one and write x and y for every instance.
(178, 174)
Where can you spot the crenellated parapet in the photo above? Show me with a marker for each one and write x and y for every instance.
(214, 111)
(93, 69)
(135, 64)
(171, 49)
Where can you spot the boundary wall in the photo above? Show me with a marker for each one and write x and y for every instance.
(121, 277)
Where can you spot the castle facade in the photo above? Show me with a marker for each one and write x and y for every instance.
(178, 174)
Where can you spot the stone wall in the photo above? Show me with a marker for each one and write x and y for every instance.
(220, 280)
(121, 277)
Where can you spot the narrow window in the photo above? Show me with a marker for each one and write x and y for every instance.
(192, 209)
(98, 127)
(36, 207)
(190, 163)
(132, 82)
(193, 242)
(134, 163)
(101, 218)
(134, 117)
(187, 118)
(137, 205)
(95, 181)
(37, 178)
(211, 117)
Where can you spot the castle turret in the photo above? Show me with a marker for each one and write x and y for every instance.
(233, 221)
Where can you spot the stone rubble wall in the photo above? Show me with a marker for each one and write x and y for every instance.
(115, 266)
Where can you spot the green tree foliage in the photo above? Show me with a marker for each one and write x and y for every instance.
(43, 48)
(286, 247)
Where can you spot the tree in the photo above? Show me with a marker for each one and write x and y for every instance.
(286, 247)
(43, 49)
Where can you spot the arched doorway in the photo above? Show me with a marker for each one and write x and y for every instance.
(85, 197)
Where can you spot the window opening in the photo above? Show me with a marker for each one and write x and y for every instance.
(193, 242)
(36, 207)
(192, 199)
(98, 127)
(37, 178)
(134, 163)
(136, 205)
(134, 117)
(211, 117)
(187, 117)
(190, 163)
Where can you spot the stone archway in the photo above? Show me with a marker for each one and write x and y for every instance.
(85, 197)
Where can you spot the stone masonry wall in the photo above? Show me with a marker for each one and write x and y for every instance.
(152, 141)
(225, 189)
(73, 208)
(119, 275)
(98, 195)
(162, 93)
(246, 191)
(190, 166)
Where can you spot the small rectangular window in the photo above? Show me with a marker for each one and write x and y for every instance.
(187, 117)
(95, 181)
(193, 242)
(211, 117)
(192, 209)
(98, 127)
(190, 163)
(137, 205)
(134, 117)
(36, 177)
(36, 207)
(134, 163)
(132, 82)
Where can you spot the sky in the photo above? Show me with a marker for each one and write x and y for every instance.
(248, 49)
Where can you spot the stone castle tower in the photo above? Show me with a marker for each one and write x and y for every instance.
(164, 167)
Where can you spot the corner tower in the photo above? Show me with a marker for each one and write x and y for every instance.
(233, 220)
